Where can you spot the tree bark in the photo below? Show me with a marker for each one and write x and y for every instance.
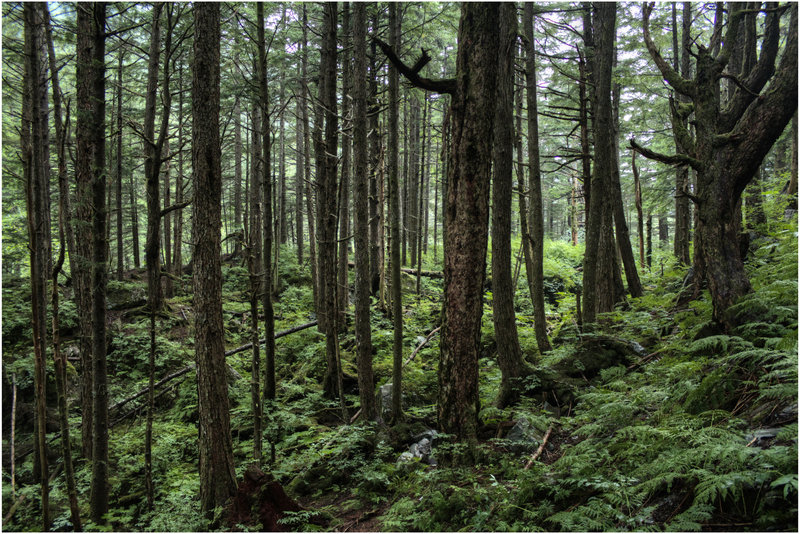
(269, 314)
(255, 266)
(64, 235)
(343, 287)
(535, 217)
(217, 474)
(35, 148)
(326, 201)
(467, 215)
(120, 248)
(509, 353)
(730, 143)
(394, 221)
(360, 190)
(600, 288)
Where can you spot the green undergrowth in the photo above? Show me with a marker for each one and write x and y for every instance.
(690, 430)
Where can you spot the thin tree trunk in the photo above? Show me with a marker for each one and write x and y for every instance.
(394, 221)
(622, 235)
(343, 290)
(269, 314)
(509, 353)
(300, 177)
(255, 265)
(376, 186)
(536, 222)
(312, 237)
(638, 199)
(35, 148)
(59, 360)
(237, 173)
(421, 188)
(360, 188)
(177, 256)
(120, 249)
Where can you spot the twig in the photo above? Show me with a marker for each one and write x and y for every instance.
(540, 449)
(752, 441)
(414, 354)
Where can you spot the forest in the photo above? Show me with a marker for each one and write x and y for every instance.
(399, 266)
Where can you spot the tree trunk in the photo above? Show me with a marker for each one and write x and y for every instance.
(65, 236)
(509, 353)
(255, 265)
(421, 183)
(681, 238)
(467, 216)
(599, 284)
(623, 237)
(300, 177)
(237, 174)
(360, 190)
(413, 182)
(637, 185)
(376, 186)
(35, 148)
(217, 474)
(310, 210)
(120, 249)
(343, 289)
(177, 255)
(269, 314)
(535, 221)
(731, 142)
(395, 236)
(326, 201)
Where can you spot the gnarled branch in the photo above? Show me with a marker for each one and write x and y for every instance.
(447, 86)
(675, 159)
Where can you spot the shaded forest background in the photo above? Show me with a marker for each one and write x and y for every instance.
(399, 266)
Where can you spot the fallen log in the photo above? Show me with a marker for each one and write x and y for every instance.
(291, 330)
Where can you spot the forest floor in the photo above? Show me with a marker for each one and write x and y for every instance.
(654, 421)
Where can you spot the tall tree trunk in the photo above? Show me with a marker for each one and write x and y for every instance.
(394, 221)
(237, 174)
(413, 182)
(269, 314)
(64, 235)
(509, 353)
(168, 286)
(177, 255)
(310, 192)
(217, 474)
(299, 168)
(326, 201)
(120, 249)
(81, 261)
(360, 189)
(343, 289)
(90, 133)
(536, 222)
(599, 284)
(623, 237)
(420, 194)
(255, 266)
(35, 148)
(467, 216)
(376, 185)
